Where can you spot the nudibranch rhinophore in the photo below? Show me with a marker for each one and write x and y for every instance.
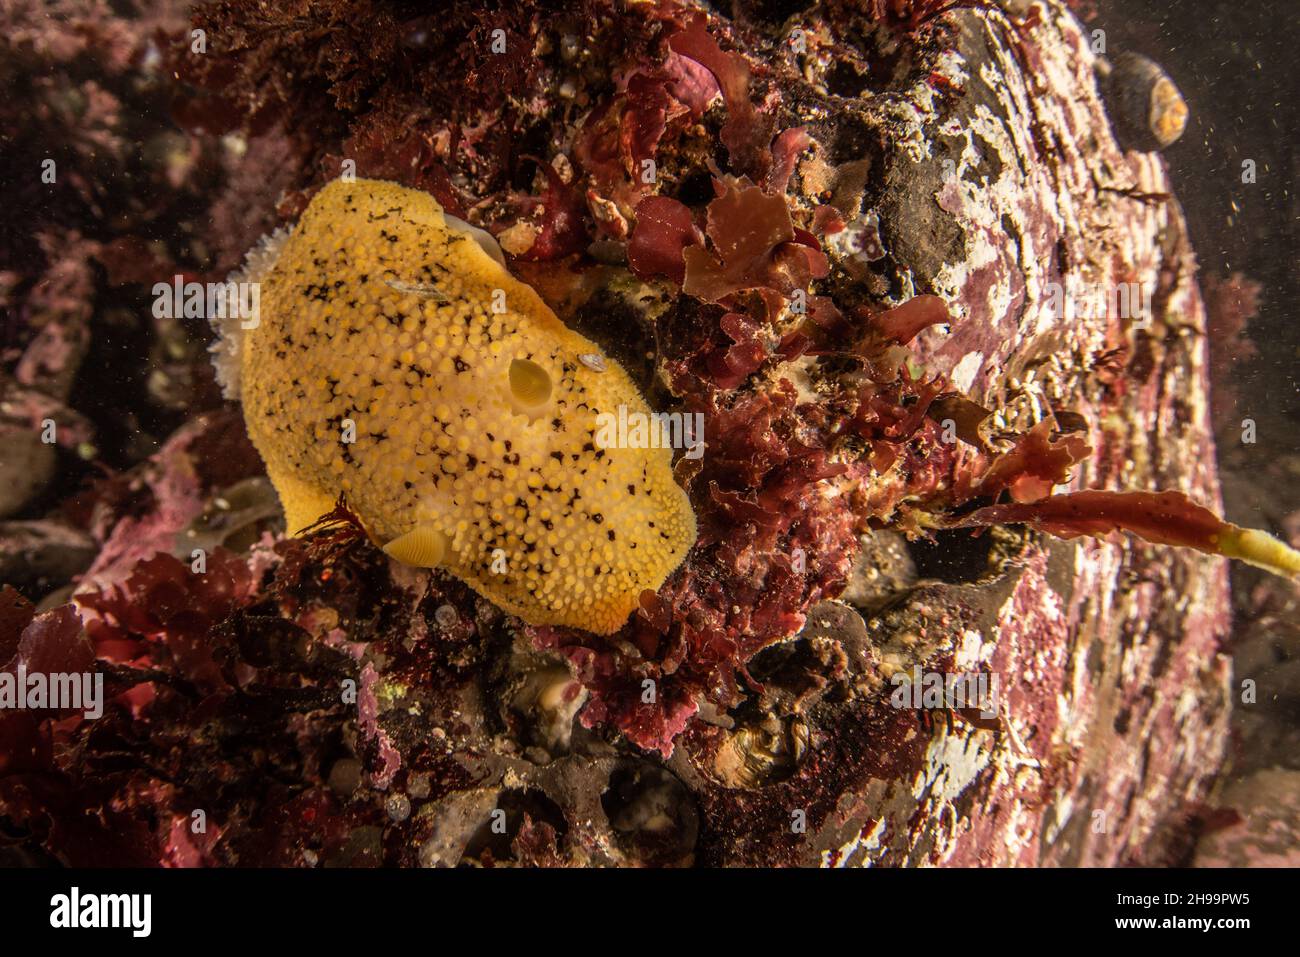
(396, 360)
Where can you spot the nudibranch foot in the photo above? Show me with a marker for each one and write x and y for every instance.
(303, 503)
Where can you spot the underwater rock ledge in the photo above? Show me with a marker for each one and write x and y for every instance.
(770, 653)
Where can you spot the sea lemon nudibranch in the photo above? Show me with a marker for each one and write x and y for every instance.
(396, 361)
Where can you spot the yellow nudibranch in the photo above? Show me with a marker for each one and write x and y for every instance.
(396, 361)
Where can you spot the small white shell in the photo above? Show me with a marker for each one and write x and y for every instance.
(426, 290)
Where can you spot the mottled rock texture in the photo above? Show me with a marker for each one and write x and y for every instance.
(1116, 690)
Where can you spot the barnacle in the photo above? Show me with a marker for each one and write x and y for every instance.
(397, 362)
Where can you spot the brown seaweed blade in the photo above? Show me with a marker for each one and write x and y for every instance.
(1163, 518)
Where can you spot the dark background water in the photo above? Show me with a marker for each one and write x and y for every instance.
(1236, 64)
